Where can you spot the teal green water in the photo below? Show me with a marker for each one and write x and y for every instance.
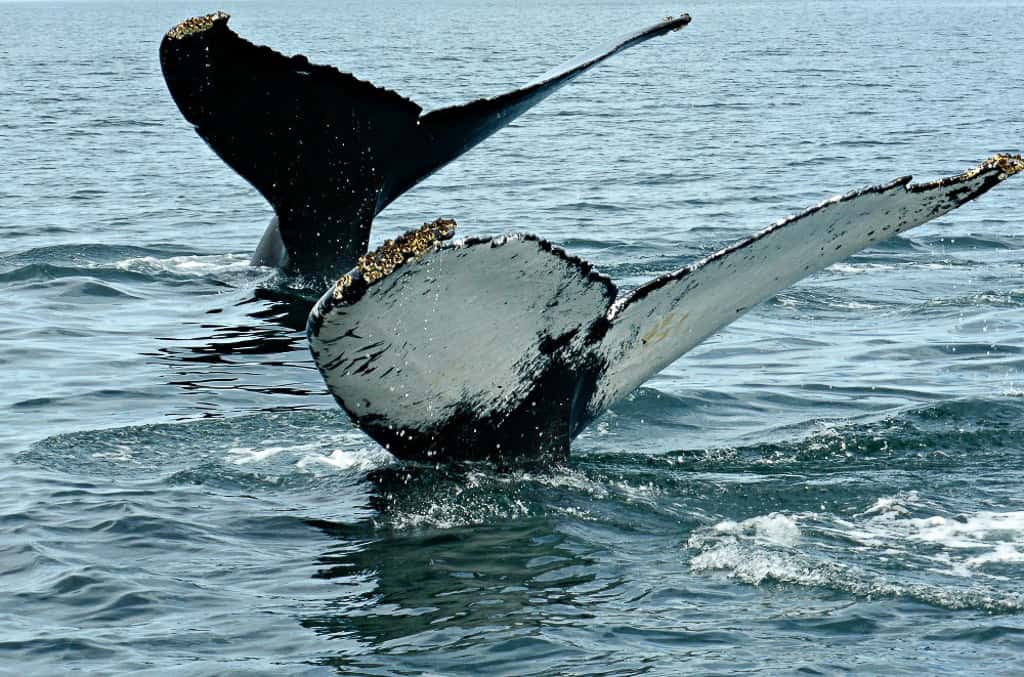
(831, 485)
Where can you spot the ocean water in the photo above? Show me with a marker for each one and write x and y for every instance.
(834, 484)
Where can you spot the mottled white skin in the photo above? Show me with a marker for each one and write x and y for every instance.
(459, 333)
(657, 323)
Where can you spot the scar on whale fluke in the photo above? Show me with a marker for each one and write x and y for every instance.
(490, 348)
(327, 150)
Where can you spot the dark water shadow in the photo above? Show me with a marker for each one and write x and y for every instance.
(256, 343)
(412, 589)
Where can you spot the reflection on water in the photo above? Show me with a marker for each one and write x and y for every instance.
(283, 305)
(409, 591)
(427, 589)
(263, 328)
(429, 575)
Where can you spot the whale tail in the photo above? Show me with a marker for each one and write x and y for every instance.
(495, 348)
(327, 150)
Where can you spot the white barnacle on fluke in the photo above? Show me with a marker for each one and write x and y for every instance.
(1008, 165)
(381, 262)
(196, 24)
(500, 347)
(413, 244)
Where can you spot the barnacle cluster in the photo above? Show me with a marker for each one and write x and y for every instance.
(196, 24)
(678, 28)
(1008, 165)
(393, 253)
(414, 244)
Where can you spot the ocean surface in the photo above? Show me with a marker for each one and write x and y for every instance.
(834, 484)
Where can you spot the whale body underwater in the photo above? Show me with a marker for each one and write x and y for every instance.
(500, 348)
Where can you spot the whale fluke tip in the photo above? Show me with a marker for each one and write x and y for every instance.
(1008, 164)
(679, 22)
(998, 168)
(197, 24)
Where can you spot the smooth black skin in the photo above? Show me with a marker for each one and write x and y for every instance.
(327, 150)
(315, 142)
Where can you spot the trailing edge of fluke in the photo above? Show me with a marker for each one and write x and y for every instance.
(327, 150)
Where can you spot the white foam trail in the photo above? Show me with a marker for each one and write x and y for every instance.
(246, 455)
(774, 528)
(963, 562)
(190, 265)
(342, 452)
(121, 453)
(981, 530)
(965, 543)
(1004, 553)
(848, 268)
(363, 460)
(853, 305)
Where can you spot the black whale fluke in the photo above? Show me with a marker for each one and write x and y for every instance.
(327, 150)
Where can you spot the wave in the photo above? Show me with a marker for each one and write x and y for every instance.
(883, 552)
(85, 254)
(125, 264)
(270, 450)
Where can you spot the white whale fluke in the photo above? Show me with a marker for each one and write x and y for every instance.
(507, 347)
